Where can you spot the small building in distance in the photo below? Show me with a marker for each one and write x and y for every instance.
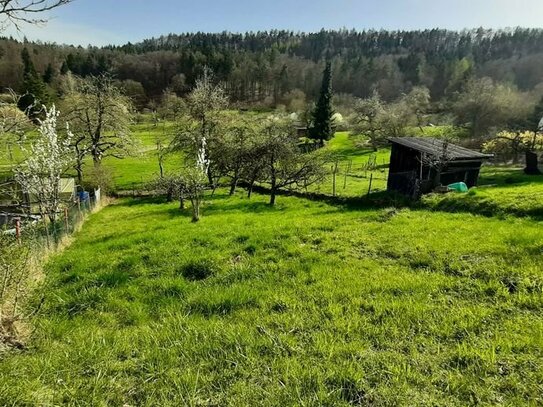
(14, 200)
(419, 164)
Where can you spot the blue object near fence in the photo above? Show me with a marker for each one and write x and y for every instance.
(84, 196)
(459, 187)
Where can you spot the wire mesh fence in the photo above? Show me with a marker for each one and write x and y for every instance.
(49, 231)
(349, 178)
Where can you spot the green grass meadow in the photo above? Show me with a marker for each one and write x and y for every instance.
(302, 304)
(308, 303)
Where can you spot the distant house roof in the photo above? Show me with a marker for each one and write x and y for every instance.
(435, 147)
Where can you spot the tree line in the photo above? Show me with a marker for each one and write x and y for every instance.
(275, 68)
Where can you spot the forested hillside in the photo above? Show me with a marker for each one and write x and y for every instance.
(279, 67)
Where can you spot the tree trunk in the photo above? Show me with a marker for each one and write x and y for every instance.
(210, 177)
(531, 164)
(79, 171)
(273, 194)
(195, 209)
(233, 186)
(161, 166)
(273, 189)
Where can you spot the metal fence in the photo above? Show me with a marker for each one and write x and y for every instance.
(46, 231)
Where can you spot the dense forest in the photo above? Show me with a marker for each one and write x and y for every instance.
(285, 68)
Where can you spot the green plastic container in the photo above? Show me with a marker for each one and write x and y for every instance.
(459, 187)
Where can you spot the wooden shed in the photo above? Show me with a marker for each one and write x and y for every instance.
(14, 200)
(419, 164)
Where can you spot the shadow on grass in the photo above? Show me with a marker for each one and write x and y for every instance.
(478, 205)
(377, 200)
(504, 176)
(243, 205)
(451, 203)
(141, 200)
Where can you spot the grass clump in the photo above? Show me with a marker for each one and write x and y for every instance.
(197, 270)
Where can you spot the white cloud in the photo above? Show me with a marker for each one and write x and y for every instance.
(62, 32)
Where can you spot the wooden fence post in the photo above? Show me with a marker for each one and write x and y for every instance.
(66, 223)
(18, 229)
(371, 181)
(47, 237)
(334, 180)
(345, 179)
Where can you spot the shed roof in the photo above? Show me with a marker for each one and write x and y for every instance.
(435, 147)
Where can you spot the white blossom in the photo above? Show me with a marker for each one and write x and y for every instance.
(49, 157)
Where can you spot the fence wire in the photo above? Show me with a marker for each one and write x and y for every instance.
(44, 232)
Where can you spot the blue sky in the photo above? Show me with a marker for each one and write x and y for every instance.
(100, 22)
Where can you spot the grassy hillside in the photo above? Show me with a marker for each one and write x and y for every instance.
(349, 302)
(502, 191)
(302, 304)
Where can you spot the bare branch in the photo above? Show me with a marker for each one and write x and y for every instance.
(16, 12)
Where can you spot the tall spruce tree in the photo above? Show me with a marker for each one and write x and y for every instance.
(322, 115)
(34, 92)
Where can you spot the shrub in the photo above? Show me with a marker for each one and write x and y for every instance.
(99, 178)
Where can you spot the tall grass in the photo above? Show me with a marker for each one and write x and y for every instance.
(301, 304)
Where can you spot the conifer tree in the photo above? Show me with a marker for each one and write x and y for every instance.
(48, 74)
(322, 115)
(34, 91)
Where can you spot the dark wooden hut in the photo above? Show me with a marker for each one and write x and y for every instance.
(419, 164)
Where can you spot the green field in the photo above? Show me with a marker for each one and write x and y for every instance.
(312, 303)
(303, 304)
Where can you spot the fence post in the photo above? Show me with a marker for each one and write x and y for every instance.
(66, 223)
(345, 179)
(371, 182)
(334, 180)
(18, 229)
(47, 237)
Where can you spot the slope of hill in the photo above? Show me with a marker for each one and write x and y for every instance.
(305, 303)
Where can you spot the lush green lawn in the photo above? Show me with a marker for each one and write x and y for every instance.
(357, 164)
(503, 191)
(302, 304)
(134, 172)
(307, 303)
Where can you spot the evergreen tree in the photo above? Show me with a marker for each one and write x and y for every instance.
(34, 91)
(64, 68)
(322, 115)
(48, 74)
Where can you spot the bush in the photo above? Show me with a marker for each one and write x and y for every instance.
(99, 178)
(199, 270)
